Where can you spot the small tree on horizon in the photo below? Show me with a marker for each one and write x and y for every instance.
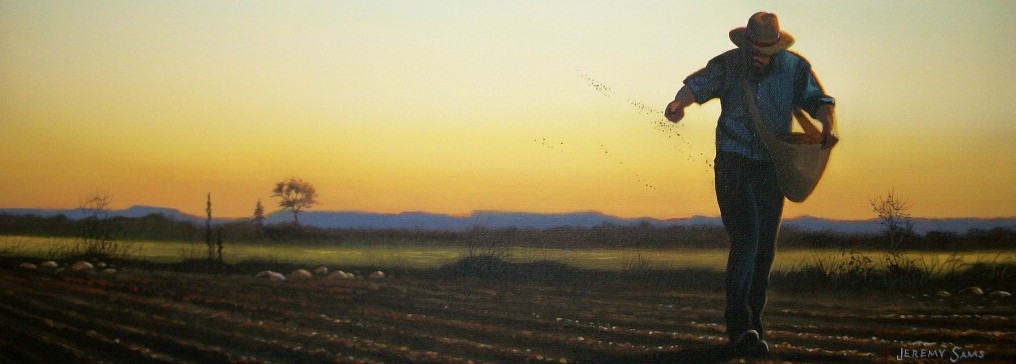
(259, 220)
(894, 217)
(259, 216)
(295, 195)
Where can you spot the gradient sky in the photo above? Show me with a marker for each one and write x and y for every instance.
(455, 106)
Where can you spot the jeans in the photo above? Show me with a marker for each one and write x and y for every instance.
(751, 205)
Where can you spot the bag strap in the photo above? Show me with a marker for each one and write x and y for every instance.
(753, 113)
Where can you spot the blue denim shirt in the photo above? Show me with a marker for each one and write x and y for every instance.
(789, 85)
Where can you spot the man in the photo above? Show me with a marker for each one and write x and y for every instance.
(747, 191)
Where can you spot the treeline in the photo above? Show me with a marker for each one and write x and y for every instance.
(159, 227)
(151, 227)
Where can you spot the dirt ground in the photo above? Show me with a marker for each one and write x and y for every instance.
(153, 316)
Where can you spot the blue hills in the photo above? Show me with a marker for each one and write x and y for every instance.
(502, 219)
(132, 212)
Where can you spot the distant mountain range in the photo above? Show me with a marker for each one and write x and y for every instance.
(133, 211)
(501, 219)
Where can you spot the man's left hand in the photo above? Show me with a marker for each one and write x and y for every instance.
(827, 116)
(829, 140)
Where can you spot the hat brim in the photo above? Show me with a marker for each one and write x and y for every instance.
(740, 38)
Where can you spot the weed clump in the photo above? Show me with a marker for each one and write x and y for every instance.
(895, 272)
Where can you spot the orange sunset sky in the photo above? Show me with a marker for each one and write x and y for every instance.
(455, 106)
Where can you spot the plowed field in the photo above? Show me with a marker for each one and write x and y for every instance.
(136, 316)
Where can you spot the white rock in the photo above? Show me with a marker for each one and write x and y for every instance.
(50, 264)
(109, 271)
(28, 266)
(1000, 294)
(321, 271)
(272, 276)
(340, 275)
(977, 291)
(300, 274)
(377, 275)
(100, 265)
(943, 294)
(82, 265)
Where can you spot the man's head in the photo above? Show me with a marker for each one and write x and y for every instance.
(762, 36)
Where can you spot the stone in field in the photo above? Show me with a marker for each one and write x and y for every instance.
(300, 274)
(82, 265)
(1000, 294)
(976, 291)
(339, 275)
(272, 276)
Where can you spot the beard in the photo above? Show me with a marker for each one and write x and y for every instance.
(759, 71)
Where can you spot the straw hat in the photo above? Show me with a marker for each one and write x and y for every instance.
(762, 33)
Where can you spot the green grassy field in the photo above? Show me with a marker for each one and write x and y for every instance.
(422, 256)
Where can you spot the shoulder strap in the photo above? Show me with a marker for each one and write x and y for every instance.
(749, 96)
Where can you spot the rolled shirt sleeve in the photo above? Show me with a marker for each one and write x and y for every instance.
(811, 95)
(707, 83)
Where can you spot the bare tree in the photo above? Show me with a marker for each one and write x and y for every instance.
(894, 217)
(296, 195)
(96, 205)
(101, 236)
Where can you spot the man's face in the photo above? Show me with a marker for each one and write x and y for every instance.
(760, 63)
(759, 60)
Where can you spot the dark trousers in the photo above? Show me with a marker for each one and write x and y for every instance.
(751, 206)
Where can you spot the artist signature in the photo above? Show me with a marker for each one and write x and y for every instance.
(955, 355)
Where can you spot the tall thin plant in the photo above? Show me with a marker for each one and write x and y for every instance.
(208, 229)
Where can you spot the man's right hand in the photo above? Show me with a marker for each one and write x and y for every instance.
(674, 111)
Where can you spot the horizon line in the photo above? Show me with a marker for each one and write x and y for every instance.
(479, 211)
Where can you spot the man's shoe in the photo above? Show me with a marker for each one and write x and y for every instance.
(759, 350)
(747, 345)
